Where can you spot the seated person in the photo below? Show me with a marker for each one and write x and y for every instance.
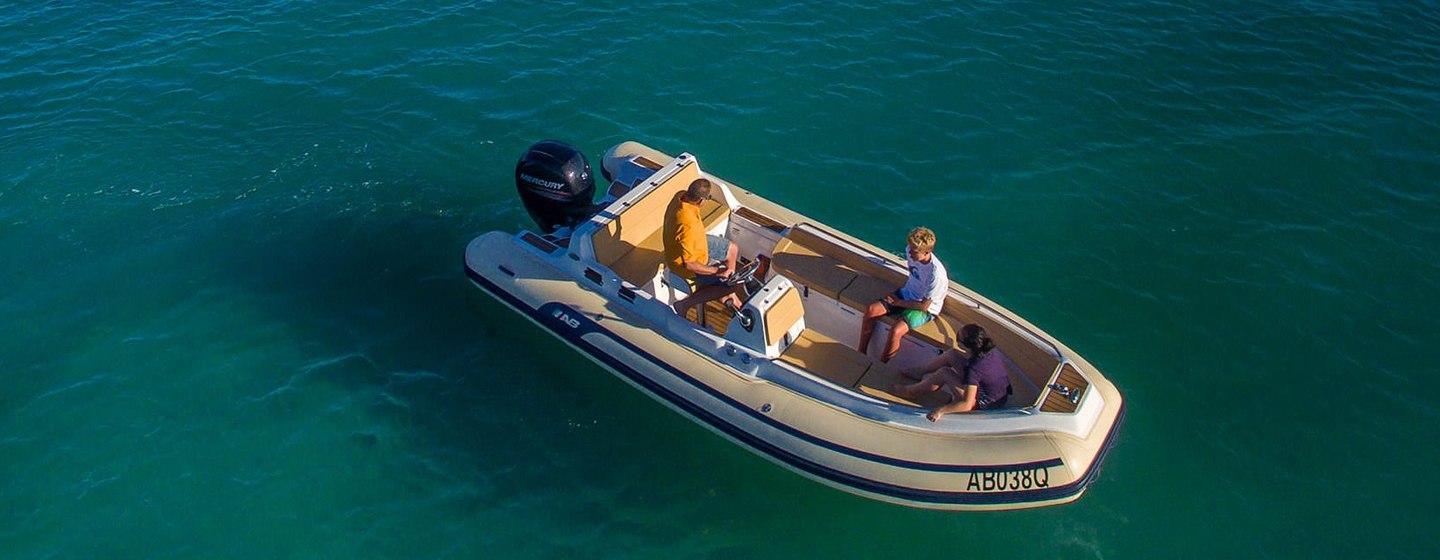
(915, 303)
(979, 382)
(688, 250)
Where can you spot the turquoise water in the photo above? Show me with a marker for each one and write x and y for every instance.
(236, 323)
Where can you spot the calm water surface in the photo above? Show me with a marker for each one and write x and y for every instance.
(236, 324)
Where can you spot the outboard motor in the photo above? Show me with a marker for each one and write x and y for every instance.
(555, 184)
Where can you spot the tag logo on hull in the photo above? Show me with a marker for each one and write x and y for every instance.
(565, 318)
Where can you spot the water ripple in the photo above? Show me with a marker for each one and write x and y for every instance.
(240, 224)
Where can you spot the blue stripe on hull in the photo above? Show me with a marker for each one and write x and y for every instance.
(545, 316)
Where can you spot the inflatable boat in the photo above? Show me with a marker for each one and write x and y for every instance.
(781, 375)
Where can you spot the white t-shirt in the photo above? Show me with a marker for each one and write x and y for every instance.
(927, 281)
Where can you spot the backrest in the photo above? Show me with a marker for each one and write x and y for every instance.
(843, 256)
(631, 245)
(833, 269)
(643, 218)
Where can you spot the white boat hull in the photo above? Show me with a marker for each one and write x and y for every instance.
(829, 433)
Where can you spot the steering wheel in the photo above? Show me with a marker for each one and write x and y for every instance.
(743, 274)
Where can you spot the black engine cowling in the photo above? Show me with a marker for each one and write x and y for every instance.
(555, 185)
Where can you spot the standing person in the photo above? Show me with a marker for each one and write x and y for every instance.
(688, 250)
(915, 303)
(976, 381)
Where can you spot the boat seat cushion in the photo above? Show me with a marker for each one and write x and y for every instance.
(633, 258)
(865, 290)
(880, 377)
(805, 266)
(826, 357)
(830, 269)
(942, 332)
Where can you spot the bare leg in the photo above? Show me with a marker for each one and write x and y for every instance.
(928, 384)
(867, 325)
(952, 358)
(732, 252)
(892, 346)
(703, 295)
(732, 299)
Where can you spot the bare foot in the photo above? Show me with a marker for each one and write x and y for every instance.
(952, 406)
(905, 391)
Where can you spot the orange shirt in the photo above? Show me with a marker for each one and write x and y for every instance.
(684, 237)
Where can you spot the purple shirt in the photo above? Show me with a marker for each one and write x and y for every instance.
(988, 373)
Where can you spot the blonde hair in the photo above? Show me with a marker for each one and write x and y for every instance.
(922, 239)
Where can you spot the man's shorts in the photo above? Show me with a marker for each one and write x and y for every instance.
(717, 246)
(913, 317)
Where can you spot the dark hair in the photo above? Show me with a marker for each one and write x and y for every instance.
(974, 339)
(699, 190)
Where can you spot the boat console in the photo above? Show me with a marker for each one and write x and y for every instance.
(771, 319)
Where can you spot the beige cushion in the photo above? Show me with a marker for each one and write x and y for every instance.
(632, 244)
(878, 380)
(827, 358)
(803, 265)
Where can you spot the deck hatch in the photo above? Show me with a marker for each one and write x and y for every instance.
(1073, 383)
(761, 219)
(544, 245)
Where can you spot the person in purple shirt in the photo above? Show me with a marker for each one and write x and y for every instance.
(976, 379)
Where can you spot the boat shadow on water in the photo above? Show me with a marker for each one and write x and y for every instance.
(447, 377)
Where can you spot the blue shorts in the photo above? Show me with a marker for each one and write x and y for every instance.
(913, 317)
(717, 247)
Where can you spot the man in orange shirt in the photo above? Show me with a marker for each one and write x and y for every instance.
(688, 250)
